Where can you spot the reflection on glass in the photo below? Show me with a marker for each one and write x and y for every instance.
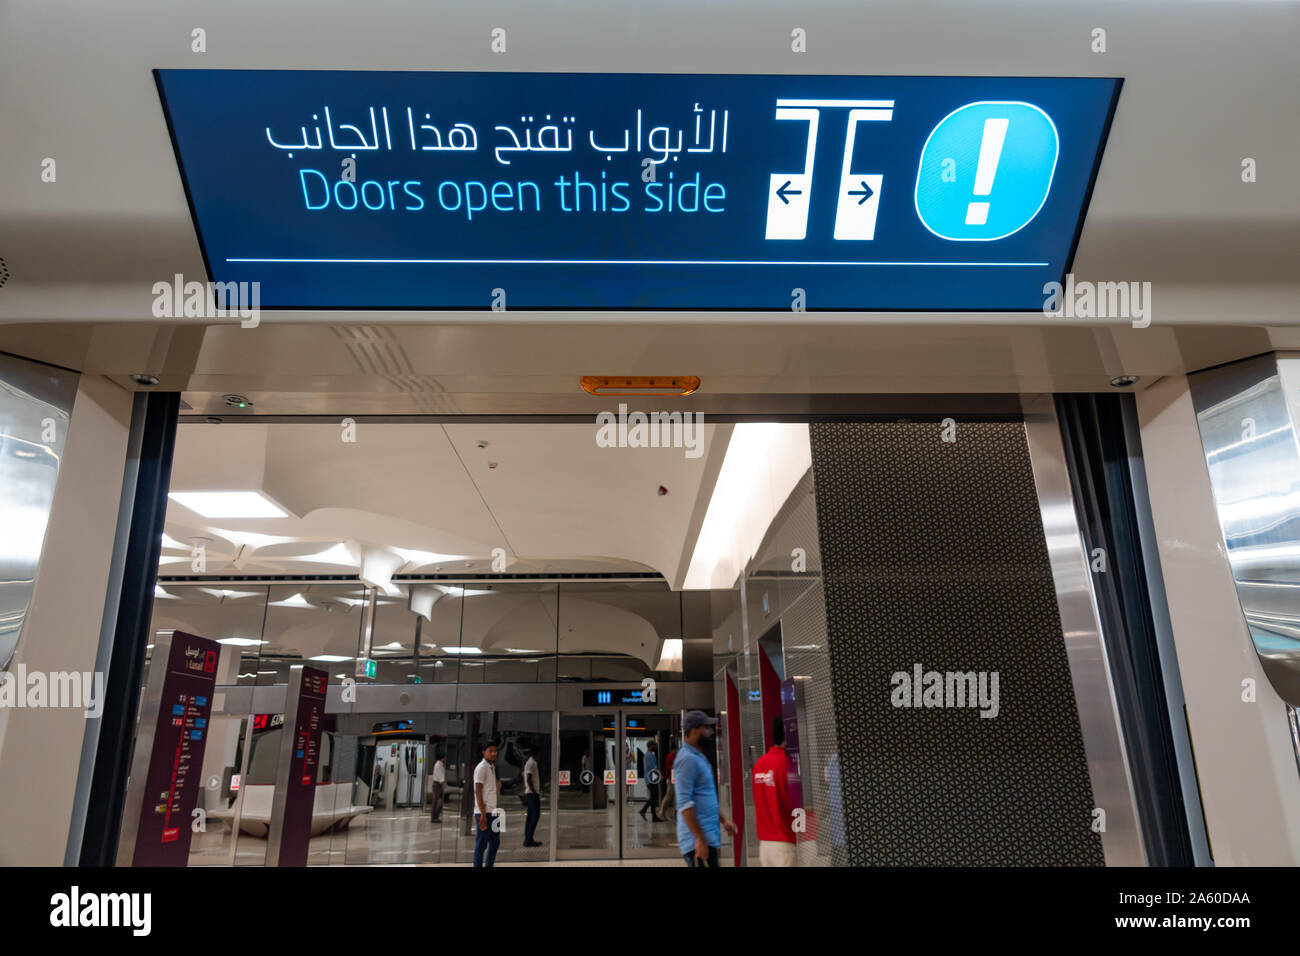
(34, 406)
(589, 811)
(214, 845)
(230, 615)
(317, 624)
(507, 633)
(651, 818)
(397, 629)
(1253, 458)
(619, 632)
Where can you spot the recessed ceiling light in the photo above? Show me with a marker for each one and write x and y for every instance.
(1123, 381)
(462, 650)
(329, 658)
(228, 504)
(295, 600)
(240, 641)
(338, 554)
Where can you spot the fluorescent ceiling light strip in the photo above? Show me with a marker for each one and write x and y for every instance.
(228, 504)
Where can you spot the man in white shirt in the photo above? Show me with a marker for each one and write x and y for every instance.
(487, 836)
(439, 784)
(532, 798)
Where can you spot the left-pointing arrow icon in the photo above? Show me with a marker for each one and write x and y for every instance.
(865, 192)
(785, 190)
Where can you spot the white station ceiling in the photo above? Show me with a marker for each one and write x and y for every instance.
(427, 497)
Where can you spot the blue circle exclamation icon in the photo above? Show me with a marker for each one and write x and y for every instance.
(986, 170)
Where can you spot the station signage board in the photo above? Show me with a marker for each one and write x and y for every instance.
(628, 192)
(182, 679)
(300, 753)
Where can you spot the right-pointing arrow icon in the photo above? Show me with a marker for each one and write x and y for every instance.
(865, 192)
(785, 190)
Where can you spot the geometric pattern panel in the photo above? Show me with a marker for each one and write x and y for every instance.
(933, 554)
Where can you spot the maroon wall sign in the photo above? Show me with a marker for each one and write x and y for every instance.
(176, 761)
(304, 763)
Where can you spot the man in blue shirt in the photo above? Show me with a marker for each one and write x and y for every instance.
(700, 820)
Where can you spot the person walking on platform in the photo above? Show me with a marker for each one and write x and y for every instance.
(700, 820)
(651, 784)
(532, 798)
(439, 783)
(487, 836)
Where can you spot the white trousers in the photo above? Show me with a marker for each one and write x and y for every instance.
(775, 853)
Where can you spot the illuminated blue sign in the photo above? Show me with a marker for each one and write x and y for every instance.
(626, 698)
(340, 190)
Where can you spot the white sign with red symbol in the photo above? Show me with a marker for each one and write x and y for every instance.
(609, 778)
(631, 778)
(564, 778)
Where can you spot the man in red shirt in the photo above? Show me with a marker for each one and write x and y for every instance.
(772, 816)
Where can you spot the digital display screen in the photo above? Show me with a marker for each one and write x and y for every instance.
(622, 192)
(619, 698)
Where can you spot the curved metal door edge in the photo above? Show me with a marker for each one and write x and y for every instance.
(1094, 690)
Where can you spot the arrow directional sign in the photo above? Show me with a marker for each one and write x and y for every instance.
(865, 192)
(785, 190)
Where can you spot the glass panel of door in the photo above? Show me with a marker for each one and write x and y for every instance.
(611, 785)
(650, 823)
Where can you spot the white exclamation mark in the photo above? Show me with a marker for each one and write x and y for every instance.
(995, 131)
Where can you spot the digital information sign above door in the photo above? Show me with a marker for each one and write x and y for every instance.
(340, 190)
(620, 698)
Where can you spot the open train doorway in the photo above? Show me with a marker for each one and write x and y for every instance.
(564, 593)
